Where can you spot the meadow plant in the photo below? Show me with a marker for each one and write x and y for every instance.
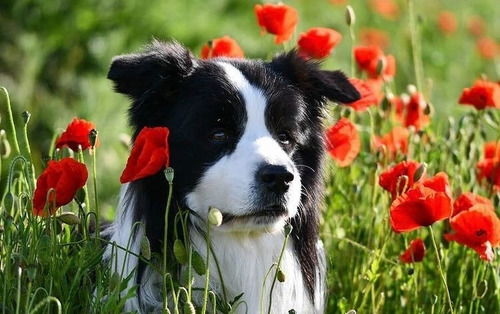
(398, 181)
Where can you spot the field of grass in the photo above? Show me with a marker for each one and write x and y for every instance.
(53, 63)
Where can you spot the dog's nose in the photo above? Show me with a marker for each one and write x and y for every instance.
(276, 178)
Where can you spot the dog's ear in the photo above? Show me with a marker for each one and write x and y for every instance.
(136, 74)
(314, 83)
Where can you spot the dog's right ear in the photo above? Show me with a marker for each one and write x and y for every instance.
(136, 74)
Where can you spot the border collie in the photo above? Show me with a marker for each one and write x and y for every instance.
(246, 137)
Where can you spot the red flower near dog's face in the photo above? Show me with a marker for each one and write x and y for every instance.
(419, 207)
(149, 155)
(368, 97)
(467, 200)
(477, 228)
(277, 19)
(318, 42)
(76, 134)
(414, 253)
(372, 60)
(481, 95)
(222, 47)
(342, 142)
(391, 179)
(60, 180)
(395, 141)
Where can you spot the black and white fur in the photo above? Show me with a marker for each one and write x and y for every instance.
(246, 137)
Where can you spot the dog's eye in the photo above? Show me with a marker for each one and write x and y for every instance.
(284, 138)
(219, 136)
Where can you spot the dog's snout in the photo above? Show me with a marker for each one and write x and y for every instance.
(275, 178)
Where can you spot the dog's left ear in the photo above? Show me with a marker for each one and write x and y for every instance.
(314, 83)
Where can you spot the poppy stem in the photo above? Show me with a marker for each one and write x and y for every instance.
(415, 45)
(443, 278)
(94, 177)
(11, 119)
(165, 241)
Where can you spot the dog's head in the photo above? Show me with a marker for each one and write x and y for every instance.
(245, 135)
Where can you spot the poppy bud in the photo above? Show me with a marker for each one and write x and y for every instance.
(4, 145)
(69, 218)
(402, 184)
(189, 308)
(114, 281)
(145, 248)
(412, 89)
(350, 16)
(180, 252)
(410, 271)
(381, 65)
(198, 263)
(214, 217)
(93, 137)
(169, 174)
(428, 109)
(288, 229)
(281, 275)
(26, 116)
(419, 172)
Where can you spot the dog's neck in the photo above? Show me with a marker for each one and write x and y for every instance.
(247, 263)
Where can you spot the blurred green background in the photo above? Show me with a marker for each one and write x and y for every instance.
(54, 56)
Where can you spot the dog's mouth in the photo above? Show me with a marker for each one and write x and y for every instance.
(267, 213)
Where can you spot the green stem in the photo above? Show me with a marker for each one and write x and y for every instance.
(11, 119)
(207, 275)
(443, 278)
(415, 45)
(31, 168)
(96, 206)
(276, 273)
(165, 241)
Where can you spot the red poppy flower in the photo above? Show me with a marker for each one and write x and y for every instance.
(318, 42)
(492, 149)
(482, 94)
(60, 180)
(416, 112)
(487, 47)
(368, 97)
(342, 142)
(467, 200)
(386, 8)
(149, 155)
(447, 22)
(477, 228)
(374, 37)
(369, 58)
(277, 19)
(76, 134)
(395, 141)
(414, 253)
(489, 169)
(388, 179)
(399, 106)
(222, 47)
(476, 26)
(439, 183)
(419, 207)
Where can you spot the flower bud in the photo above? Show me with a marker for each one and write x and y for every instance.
(281, 275)
(350, 16)
(214, 217)
(189, 308)
(401, 184)
(169, 174)
(419, 173)
(180, 252)
(4, 145)
(412, 89)
(381, 65)
(26, 116)
(93, 137)
(114, 281)
(145, 248)
(288, 229)
(198, 263)
(69, 218)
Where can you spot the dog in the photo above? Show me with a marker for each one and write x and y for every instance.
(246, 137)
